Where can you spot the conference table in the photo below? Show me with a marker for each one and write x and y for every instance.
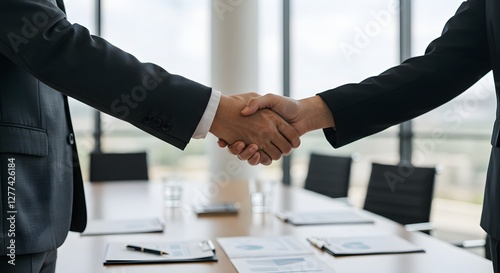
(144, 199)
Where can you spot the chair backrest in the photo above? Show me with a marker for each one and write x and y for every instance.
(118, 166)
(402, 193)
(329, 175)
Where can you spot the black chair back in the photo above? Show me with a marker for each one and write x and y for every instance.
(401, 193)
(329, 175)
(118, 166)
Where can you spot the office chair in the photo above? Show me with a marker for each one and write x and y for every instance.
(329, 175)
(402, 193)
(118, 166)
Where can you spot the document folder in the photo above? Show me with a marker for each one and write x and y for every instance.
(178, 251)
(364, 245)
(304, 218)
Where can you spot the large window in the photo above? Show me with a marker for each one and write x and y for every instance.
(339, 42)
(174, 34)
(456, 135)
(82, 12)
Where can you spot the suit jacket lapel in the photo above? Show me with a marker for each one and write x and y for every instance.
(60, 4)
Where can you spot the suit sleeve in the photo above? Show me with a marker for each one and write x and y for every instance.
(452, 63)
(36, 36)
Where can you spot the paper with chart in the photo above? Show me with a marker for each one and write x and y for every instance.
(296, 264)
(271, 254)
(250, 246)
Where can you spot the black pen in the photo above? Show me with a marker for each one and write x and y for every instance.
(147, 250)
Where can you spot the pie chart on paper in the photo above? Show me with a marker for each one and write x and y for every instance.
(249, 247)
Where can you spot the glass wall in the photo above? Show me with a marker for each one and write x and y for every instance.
(456, 135)
(339, 42)
(174, 34)
(82, 12)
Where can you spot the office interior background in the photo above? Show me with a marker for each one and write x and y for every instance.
(332, 43)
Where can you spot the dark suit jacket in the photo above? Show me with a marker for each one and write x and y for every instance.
(41, 52)
(468, 48)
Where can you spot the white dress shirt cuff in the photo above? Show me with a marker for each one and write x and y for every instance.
(208, 117)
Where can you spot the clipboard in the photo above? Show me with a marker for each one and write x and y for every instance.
(224, 208)
(109, 227)
(178, 252)
(368, 245)
(305, 218)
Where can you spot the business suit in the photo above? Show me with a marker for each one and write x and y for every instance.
(468, 48)
(43, 59)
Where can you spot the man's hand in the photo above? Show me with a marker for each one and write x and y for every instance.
(249, 153)
(288, 108)
(304, 115)
(272, 135)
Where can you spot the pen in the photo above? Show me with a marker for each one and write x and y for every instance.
(282, 216)
(147, 250)
(316, 242)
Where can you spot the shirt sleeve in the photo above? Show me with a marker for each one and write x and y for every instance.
(208, 117)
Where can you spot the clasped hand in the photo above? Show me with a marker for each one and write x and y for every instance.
(267, 127)
(267, 135)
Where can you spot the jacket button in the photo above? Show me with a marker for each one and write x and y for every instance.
(71, 139)
(157, 122)
(166, 126)
(147, 119)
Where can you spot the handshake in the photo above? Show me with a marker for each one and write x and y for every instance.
(261, 129)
